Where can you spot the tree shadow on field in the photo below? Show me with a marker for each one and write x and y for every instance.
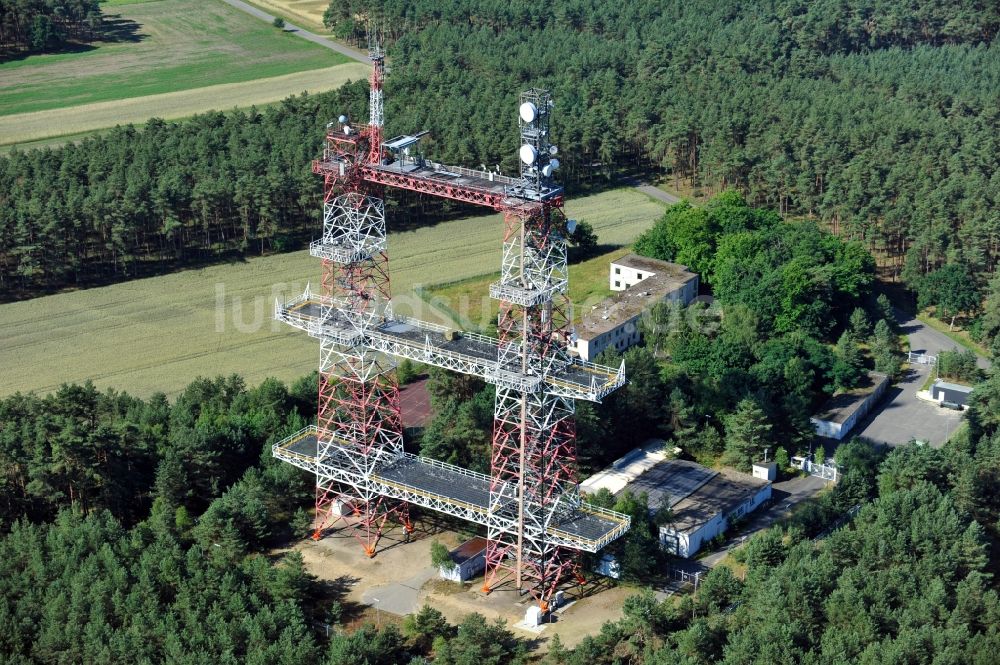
(13, 54)
(117, 29)
(114, 29)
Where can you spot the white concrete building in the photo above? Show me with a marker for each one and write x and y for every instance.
(709, 510)
(641, 283)
(765, 470)
(704, 501)
(842, 412)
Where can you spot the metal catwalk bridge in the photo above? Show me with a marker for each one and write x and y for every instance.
(468, 353)
(447, 489)
(427, 177)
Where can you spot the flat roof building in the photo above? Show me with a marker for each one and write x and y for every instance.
(953, 393)
(838, 416)
(641, 282)
(703, 501)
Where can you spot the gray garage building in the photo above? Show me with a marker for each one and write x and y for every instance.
(954, 393)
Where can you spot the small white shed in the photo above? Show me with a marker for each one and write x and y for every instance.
(469, 559)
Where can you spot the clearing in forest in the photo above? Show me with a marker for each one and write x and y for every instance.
(157, 334)
(161, 47)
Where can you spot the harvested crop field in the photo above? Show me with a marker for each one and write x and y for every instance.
(157, 334)
(307, 13)
(160, 47)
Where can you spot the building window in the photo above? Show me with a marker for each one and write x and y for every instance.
(618, 285)
(638, 275)
(618, 271)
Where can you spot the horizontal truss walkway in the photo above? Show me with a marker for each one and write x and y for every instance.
(427, 177)
(448, 489)
(468, 353)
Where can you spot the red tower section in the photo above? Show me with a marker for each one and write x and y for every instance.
(358, 412)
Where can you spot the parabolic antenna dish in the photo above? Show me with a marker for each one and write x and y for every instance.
(528, 112)
(571, 225)
(528, 154)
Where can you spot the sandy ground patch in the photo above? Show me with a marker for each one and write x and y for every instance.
(400, 576)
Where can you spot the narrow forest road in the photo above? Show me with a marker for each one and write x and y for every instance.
(351, 53)
(924, 339)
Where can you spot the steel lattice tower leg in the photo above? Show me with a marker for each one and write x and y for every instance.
(359, 415)
(533, 465)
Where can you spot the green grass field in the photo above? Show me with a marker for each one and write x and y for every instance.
(178, 45)
(159, 333)
(461, 303)
(74, 122)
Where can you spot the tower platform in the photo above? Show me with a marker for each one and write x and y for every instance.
(465, 352)
(452, 490)
(428, 177)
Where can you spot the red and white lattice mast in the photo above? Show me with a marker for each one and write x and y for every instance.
(358, 415)
(534, 439)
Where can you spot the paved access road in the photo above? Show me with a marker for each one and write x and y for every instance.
(354, 54)
(650, 190)
(924, 339)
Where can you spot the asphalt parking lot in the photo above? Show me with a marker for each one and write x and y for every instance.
(901, 417)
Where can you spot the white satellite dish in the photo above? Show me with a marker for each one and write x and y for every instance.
(528, 112)
(553, 150)
(547, 170)
(571, 225)
(347, 129)
(554, 163)
(342, 119)
(528, 154)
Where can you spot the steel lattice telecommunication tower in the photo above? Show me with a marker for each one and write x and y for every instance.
(530, 504)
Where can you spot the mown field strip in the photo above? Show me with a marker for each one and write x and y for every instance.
(157, 334)
(77, 119)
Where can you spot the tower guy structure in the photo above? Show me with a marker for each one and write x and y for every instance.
(535, 520)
